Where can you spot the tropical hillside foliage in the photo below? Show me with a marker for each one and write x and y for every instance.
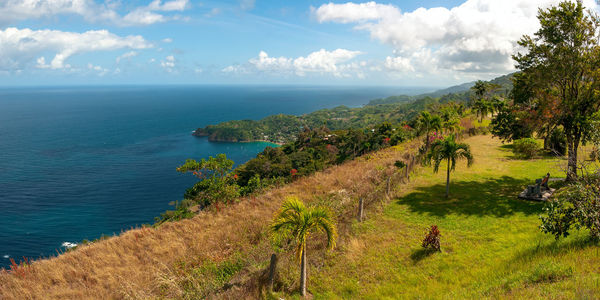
(395, 109)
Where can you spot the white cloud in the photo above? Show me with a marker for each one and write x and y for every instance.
(354, 12)
(168, 63)
(247, 4)
(479, 36)
(126, 55)
(17, 10)
(41, 63)
(213, 12)
(174, 5)
(167, 40)
(334, 62)
(100, 70)
(19, 47)
(324, 61)
(398, 64)
(235, 69)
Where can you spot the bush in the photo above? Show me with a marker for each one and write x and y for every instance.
(432, 239)
(595, 154)
(399, 164)
(558, 141)
(526, 148)
(507, 125)
(577, 205)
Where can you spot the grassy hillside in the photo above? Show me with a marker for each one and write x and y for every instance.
(491, 244)
(220, 253)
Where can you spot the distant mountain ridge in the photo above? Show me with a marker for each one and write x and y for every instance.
(283, 128)
(503, 81)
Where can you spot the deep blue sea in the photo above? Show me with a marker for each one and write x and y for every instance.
(79, 162)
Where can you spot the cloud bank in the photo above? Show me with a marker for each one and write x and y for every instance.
(477, 37)
(156, 12)
(20, 47)
(322, 62)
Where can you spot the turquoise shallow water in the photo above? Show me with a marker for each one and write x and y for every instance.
(79, 162)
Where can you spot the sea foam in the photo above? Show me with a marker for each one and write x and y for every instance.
(69, 245)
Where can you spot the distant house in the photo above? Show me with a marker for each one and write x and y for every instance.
(326, 138)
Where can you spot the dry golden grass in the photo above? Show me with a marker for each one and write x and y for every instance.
(186, 259)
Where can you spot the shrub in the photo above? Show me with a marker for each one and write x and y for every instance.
(558, 141)
(595, 154)
(432, 239)
(526, 148)
(508, 125)
(255, 184)
(399, 164)
(576, 205)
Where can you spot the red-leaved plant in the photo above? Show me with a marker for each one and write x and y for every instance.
(432, 239)
(19, 269)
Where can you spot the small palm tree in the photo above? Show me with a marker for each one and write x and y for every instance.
(497, 103)
(452, 125)
(295, 220)
(428, 123)
(483, 108)
(448, 149)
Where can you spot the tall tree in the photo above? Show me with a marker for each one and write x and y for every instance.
(480, 89)
(295, 220)
(561, 73)
(451, 151)
(428, 123)
(216, 183)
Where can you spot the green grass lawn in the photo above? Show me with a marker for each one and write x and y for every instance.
(491, 243)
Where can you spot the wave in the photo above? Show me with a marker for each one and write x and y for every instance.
(69, 245)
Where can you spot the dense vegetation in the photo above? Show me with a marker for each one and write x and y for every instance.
(558, 82)
(312, 151)
(396, 109)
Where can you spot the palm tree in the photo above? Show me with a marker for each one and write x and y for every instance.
(452, 125)
(448, 149)
(294, 220)
(483, 108)
(428, 123)
(497, 103)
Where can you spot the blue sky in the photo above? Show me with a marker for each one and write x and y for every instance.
(404, 43)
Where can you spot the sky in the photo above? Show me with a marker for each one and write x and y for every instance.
(400, 43)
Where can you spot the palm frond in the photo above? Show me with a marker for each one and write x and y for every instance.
(295, 220)
(289, 219)
(322, 220)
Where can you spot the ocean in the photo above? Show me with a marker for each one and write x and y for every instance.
(80, 162)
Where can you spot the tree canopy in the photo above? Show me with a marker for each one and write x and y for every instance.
(560, 77)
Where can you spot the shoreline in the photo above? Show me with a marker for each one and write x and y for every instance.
(253, 141)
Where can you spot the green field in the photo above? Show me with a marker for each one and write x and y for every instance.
(491, 244)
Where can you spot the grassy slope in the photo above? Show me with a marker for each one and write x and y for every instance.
(491, 244)
(490, 240)
(217, 254)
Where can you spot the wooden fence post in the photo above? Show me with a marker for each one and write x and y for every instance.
(360, 209)
(272, 268)
(387, 192)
